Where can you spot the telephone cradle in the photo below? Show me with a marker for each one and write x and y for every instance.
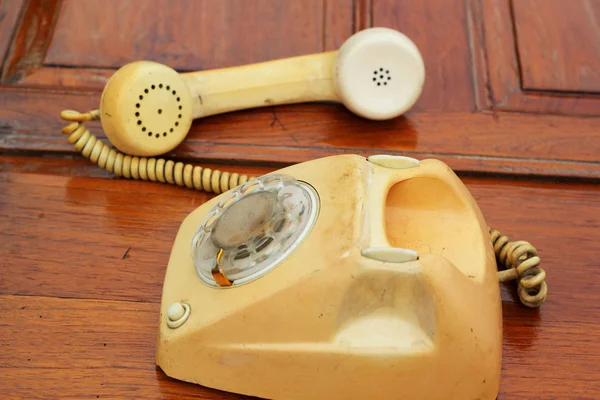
(338, 278)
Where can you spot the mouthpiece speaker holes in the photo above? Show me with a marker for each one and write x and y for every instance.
(139, 106)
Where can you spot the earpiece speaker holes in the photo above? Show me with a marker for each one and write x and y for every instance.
(381, 76)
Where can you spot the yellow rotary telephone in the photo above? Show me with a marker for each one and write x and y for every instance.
(375, 279)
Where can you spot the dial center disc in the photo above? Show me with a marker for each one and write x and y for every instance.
(244, 220)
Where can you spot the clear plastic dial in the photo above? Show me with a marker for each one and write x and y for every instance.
(255, 226)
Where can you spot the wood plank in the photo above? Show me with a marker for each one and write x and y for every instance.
(546, 32)
(9, 17)
(73, 348)
(196, 35)
(64, 348)
(66, 78)
(494, 19)
(445, 49)
(57, 346)
(108, 233)
(520, 144)
(83, 62)
(481, 81)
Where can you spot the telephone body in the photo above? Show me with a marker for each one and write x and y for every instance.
(391, 293)
(339, 278)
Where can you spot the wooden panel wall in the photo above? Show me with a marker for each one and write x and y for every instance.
(558, 45)
(475, 113)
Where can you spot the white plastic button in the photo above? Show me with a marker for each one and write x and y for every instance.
(394, 162)
(390, 254)
(177, 314)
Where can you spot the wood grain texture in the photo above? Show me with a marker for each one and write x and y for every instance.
(445, 48)
(85, 349)
(522, 144)
(32, 39)
(121, 241)
(481, 81)
(65, 78)
(494, 19)
(113, 33)
(558, 44)
(65, 235)
(9, 17)
(83, 253)
(196, 35)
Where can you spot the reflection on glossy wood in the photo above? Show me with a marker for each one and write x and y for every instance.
(121, 232)
(112, 33)
(103, 243)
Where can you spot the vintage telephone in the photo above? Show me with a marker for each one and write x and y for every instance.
(339, 278)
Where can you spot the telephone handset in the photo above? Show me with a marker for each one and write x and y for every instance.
(147, 108)
(342, 277)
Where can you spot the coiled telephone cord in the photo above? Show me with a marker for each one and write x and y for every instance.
(519, 258)
(522, 264)
(133, 167)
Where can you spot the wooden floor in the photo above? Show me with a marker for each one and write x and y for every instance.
(511, 102)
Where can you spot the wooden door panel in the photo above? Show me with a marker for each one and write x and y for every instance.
(9, 16)
(194, 35)
(87, 40)
(509, 58)
(558, 44)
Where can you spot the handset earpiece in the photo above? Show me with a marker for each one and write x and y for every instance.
(379, 73)
(147, 108)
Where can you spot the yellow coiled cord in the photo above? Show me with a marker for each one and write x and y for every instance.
(522, 264)
(144, 168)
